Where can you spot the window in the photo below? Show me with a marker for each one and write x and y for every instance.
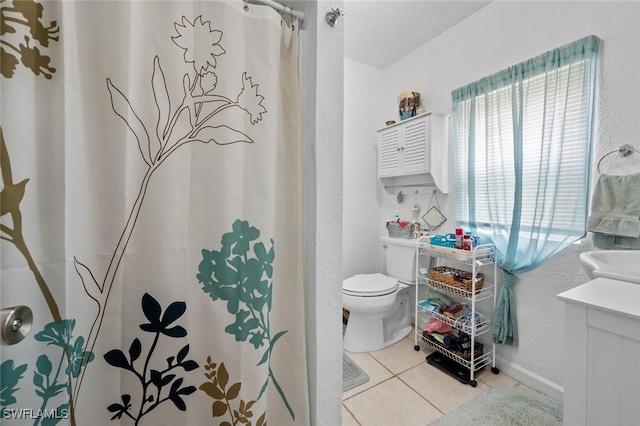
(523, 149)
(523, 143)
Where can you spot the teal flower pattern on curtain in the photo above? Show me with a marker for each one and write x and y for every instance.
(244, 282)
(523, 146)
(10, 375)
(52, 381)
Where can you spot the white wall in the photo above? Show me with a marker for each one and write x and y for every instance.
(322, 71)
(360, 205)
(500, 35)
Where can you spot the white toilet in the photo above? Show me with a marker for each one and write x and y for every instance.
(380, 305)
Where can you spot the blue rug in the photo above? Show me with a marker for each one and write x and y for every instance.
(506, 406)
(352, 375)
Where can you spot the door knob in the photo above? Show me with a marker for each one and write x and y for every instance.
(16, 323)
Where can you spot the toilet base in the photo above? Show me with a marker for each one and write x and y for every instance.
(368, 332)
(366, 335)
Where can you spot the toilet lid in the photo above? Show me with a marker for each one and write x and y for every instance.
(369, 285)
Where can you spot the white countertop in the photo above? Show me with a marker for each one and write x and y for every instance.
(605, 294)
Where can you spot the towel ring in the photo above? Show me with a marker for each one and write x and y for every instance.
(623, 151)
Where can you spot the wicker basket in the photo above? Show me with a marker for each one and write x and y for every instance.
(396, 231)
(466, 355)
(454, 280)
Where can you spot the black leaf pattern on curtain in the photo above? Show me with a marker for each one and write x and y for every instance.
(154, 381)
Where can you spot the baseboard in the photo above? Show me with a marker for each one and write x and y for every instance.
(531, 379)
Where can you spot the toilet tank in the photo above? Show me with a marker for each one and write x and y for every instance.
(400, 256)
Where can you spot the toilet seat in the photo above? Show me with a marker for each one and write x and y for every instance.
(369, 285)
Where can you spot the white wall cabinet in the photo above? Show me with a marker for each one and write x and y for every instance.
(602, 353)
(418, 145)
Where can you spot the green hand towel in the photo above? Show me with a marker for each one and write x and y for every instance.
(615, 210)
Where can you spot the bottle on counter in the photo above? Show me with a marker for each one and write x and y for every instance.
(467, 243)
(463, 343)
(415, 230)
(459, 238)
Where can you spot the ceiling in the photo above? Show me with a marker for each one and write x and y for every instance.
(379, 32)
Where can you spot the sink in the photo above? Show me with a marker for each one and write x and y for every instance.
(623, 265)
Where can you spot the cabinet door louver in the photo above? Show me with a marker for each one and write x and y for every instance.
(389, 154)
(417, 153)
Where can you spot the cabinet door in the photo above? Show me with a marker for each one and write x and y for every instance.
(389, 152)
(415, 149)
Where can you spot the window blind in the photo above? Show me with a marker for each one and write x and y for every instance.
(555, 110)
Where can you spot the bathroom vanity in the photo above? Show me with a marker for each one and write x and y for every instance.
(602, 353)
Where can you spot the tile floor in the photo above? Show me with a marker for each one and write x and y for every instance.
(404, 390)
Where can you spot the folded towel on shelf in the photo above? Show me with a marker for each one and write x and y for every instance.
(615, 211)
(434, 325)
(439, 299)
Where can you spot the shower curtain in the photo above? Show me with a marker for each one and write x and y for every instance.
(151, 214)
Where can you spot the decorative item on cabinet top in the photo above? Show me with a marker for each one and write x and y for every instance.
(408, 103)
(414, 147)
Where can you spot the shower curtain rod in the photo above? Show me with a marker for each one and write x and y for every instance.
(280, 8)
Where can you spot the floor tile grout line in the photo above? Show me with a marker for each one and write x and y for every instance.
(396, 375)
(420, 395)
(380, 362)
(369, 388)
(372, 386)
(455, 382)
(352, 414)
(384, 381)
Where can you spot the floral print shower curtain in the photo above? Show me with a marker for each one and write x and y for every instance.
(151, 214)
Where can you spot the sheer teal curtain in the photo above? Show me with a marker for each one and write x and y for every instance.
(523, 149)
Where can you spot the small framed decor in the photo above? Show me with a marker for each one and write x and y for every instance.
(434, 217)
(407, 104)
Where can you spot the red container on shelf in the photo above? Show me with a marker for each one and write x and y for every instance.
(459, 238)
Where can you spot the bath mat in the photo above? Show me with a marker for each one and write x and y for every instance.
(352, 375)
(506, 406)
